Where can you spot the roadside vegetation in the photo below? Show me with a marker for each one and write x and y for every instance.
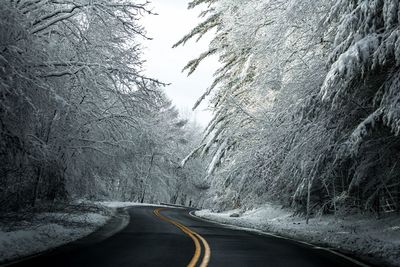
(78, 118)
(306, 104)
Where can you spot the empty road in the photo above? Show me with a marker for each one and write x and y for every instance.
(172, 237)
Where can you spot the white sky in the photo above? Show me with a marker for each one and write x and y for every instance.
(173, 21)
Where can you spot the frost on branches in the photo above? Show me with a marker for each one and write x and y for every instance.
(78, 118)
(306, 104)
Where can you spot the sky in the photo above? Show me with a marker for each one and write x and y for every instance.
(173, 21)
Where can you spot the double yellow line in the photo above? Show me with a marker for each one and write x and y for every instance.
(196, 239)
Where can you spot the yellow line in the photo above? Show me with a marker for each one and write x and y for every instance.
(195, 237)
(207, 252)
(197, 252)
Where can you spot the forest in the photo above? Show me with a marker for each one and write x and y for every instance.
(78, 118)
(306, 106)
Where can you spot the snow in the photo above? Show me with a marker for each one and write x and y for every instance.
(362, 131)
(49, 230)
(360, 235)
(34, 240)
(349, 64)
(45, 231)
(119, 204)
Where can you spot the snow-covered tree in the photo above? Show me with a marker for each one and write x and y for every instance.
(77, 116)
(304, 103)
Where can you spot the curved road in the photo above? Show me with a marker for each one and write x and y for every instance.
(172, 237)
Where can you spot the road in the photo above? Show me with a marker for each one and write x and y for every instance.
(172, 237)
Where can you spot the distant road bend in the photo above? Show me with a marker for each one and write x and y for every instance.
(159, 236)
(196, 239)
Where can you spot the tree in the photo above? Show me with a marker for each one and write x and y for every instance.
(295, 82)
(78, 117)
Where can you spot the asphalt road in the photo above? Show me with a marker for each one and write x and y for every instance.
(171, 237)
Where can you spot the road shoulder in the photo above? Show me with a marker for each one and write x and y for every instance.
(336, 236)
(49, 232)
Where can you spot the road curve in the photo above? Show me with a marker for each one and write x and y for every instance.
(171, 237)
(196, 239)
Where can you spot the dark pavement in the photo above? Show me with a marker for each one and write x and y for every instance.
(150, 241)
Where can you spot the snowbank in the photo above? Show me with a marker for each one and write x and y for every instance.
(43, 231)
(118, 204)
(377, 241)
(46, 230)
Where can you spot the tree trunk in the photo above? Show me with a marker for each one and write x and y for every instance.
(147, 177)
(334, 198)
(36, 187)
(310, 181)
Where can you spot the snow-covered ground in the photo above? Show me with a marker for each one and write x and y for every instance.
(32, 233)
(118, 204)
(37, 232)
(366, 237)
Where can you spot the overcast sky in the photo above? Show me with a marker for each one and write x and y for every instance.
(164, 63)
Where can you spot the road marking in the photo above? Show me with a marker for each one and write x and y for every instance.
(207, 251)
(259, 232)
(194, 236)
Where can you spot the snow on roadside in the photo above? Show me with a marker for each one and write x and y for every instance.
(366, 237)
(118, 204)
(45, 231)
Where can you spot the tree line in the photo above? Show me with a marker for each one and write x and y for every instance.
(78, 118)
(306, 104)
